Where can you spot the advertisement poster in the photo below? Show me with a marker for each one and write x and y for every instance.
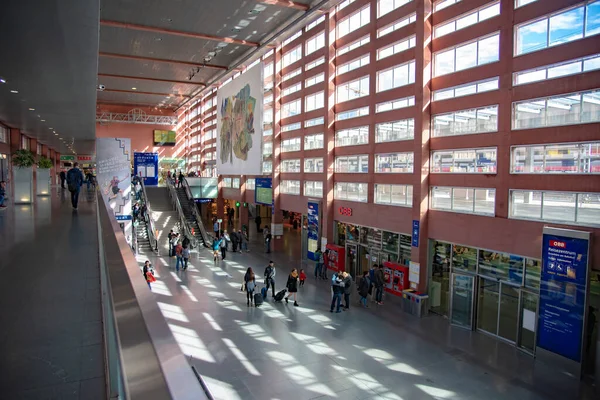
(240, 124)
(263, 191)
(145, 165)
(562, 293)
(313, 229)
(113, 157)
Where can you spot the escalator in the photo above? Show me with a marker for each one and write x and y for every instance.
(187, 206)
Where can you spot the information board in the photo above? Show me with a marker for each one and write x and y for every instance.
(146, 166)
(263, 192)
(164, 138)
(415, 233)
(563, 285)
(314, 228)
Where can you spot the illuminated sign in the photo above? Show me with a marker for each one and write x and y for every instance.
(347, 211)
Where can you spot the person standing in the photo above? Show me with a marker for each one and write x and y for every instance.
(185, 253)
(267, 237)
(270, 277)
(325, 261)
(138, 190)
(216, 228)
(234, 241)
(169, 238)
(257, 221)
(174, 241)
(223, 246)
(243, 241)
(250, 282)
(363, 288)
(148, 275)
(2, 194)
(379, 282)
(74, 182)
(302, 277)
(181, 178)
(319, 263)
(63, 178)
(347, 281)
(292, 286)
(372, 281)
(179, 256)
(216, 245)
(337, 289)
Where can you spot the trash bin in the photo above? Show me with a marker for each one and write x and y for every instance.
(414, 303)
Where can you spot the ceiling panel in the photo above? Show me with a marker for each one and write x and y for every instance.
(50, 56)
(146, 86)
(134, 98)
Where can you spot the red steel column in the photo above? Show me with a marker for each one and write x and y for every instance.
(277, 217)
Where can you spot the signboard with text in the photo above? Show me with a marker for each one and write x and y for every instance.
(563, 284)
(314, 229)
(146, 166)
(415, 233)
(263, 192)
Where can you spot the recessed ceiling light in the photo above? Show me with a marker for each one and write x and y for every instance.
(157, 39)
(2, 80)
(31, 109)
(50, 128)
(56, 134)
(14, 91)
(133, 88)
(43, 120)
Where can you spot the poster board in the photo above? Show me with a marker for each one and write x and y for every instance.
(113, 157)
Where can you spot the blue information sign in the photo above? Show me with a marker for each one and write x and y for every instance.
(313, 230)
(263, 191)
(563, 284)
(146, 166)
(415, 233)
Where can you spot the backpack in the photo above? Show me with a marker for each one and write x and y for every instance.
(186, 252)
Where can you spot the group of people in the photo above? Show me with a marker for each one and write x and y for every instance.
(321, 266)
(341, 284)
(221, 241)
(180, 249)
(294, 281)
(177, 180)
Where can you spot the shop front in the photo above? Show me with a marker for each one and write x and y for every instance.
(490, 291)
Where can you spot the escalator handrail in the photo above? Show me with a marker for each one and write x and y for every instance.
(182, 220)
(205, 237)
(149, 220)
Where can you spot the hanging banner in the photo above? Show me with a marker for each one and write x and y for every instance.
(563, 285)
(113, 157)
(146, 166)
(314, 228)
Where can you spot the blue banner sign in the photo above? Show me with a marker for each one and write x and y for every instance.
(146, 166)
(563, 285)
(263, 191)
(313, 230)
(415, 233)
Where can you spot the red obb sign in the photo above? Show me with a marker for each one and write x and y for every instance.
(556, 243)
(345, 211)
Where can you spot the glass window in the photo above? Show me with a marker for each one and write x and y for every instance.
(352, 164)
(354, 45)
(574, 158)
(566, 68)
(315, 63)
(473, 17)
(394, 163)
(315, 43)
(313, 188)
(288, 145)
(397, 47)
(467, 55)
(351, 191)
(268, 70)
(267, 132)
(291, 38)
(227, 182)
(465, 200)
(501, 266)
(314, 122)
(358, 112)
(235, 183)
(353, 22)
(464, 161)
(466, 122)
(291, 57)
(567, 109)
(267, 149)
(395, 104)
(268, 116)
(289, 187)
(386, 6)
(352, 136)
(313, 165)
(562, 27)
(24, 142)
(292, 165)
(250, 184)
(396, 195)
(291, 89)
(290, 109)
(521, 3)
(344, 4)
(312, 142)
(314, 23)
(354, 64)
(396, 25)
(397, 76)
(291, 75)
(352, 90)
(267, 167)
(291, 127)
(533, 271)
(313, 80)
(466, 89)
(395, 131)
(464, 258)
(314, 101)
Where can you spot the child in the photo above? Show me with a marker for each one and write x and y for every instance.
(2, 194)
(302, 277)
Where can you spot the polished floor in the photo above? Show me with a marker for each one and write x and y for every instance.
(279, 351)
(51, 322)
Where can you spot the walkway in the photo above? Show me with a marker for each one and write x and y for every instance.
(51, 323)
(279, 351)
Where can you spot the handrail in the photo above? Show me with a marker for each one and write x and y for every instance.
(206, 238)
(143, 358)
(149, 220)
(184, 226)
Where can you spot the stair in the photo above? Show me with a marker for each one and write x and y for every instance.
(189, 216)
(164, 216)
(143, 241)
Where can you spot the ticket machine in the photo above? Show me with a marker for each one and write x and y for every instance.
(398, 278)
(336, 259)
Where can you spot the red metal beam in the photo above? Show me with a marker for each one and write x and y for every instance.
(149, 93)
(152, 79)
(140, 58)
(116, 24)
(285, 3)
(116, 103)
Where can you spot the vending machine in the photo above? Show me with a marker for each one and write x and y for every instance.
(398, 278)
(336, 259)
(388, 273)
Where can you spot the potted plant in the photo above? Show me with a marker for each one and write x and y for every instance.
(43, 176)
(23, 160)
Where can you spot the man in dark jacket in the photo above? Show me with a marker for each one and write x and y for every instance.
(337, 287)
(347, 281)
(74, 182)
(235, 240)
(379, 282)
(270, 277)
(63, 178)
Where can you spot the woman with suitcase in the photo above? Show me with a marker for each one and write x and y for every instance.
(292, 285)
(249, 281)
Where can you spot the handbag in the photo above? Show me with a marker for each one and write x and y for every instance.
(243, 288)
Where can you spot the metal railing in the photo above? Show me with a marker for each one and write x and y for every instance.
(183, 223)
(143, 358)
(149, 220)
(205, 236)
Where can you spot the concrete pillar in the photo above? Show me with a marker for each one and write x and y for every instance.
(243, 216)
(276, 216)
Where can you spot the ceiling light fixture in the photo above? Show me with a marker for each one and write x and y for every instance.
(14, 91)
(157, 39)
(31, 109)
(56, 134)
(2, 80)
(43, 120)
(133, 88)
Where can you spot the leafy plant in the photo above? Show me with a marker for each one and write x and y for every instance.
(44, 163)
(23, 158)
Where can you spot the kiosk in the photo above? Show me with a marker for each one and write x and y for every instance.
(336, 260)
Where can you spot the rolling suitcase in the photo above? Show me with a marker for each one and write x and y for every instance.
(264, 292)
(279, 295)
(258, 299)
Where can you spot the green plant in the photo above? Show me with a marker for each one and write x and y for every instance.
(23, 158)
(44, 163)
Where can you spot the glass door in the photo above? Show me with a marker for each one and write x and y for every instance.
(527, 324)
(462, 301)
(498, 308)
(487, 305)
(508, 316)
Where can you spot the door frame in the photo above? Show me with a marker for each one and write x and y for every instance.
(473, 295)
(495, 334)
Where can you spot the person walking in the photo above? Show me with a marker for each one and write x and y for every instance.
(337, 291)
(363, 288)
(63, 178)
(74, 182)
(270, 277)
(148, 274)
(185, 253)
(169, 238)
(250, 283)
(325, 263)
(292, 286)
(181, 178)
(216, 246)
(257, 221)
(372, 281)
(379, 282)
(243, 241)
(347, 281)
(216, 228)
(223, 246)
(302, 277)
(179, 256)
(174, 241)
(234, 241)
(186, 242)
(319, 263)
(267, 236)
(138, 190)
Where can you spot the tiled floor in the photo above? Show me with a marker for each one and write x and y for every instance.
(279, 351)
(51, 323)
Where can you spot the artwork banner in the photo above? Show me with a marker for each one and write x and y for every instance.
(113, 164)
(240, 124)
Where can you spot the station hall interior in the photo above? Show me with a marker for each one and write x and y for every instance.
(422, 175)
